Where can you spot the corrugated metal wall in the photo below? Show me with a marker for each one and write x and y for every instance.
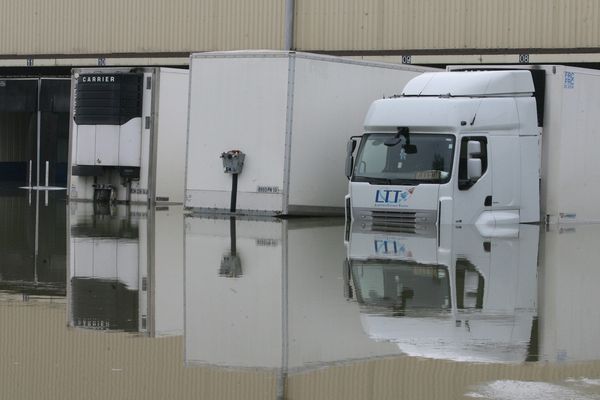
(31, 27)
(68, 27)
(446, 24)
(416, 378)
(43, 359)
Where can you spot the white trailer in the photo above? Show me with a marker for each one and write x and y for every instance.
(486, 146)
(128, 132)
(287, 113)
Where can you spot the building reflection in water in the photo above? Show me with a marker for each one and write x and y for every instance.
(32, 247)
(124, 273)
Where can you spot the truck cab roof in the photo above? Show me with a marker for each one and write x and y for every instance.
(511, 83)
(509, 115)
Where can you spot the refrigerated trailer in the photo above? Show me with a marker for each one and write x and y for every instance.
(481, 145)
(276, 118)
(128, 130)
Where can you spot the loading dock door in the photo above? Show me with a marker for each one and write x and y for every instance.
(18, 130)
(54, 109)
(34, 131)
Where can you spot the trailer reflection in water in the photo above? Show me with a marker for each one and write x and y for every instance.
(282, 308)
(124, 274)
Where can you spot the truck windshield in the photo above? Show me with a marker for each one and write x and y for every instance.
(413, 158)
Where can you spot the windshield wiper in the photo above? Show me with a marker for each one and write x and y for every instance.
(386, 181)
(430, 180)
(412, 182)
(369, 179)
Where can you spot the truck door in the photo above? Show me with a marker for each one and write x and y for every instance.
(506, 185)
(472, 196)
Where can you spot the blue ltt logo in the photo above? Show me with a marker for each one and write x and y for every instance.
(391, 196)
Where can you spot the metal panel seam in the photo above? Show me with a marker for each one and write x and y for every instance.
(71, 136)
(187, 133)
(39, 136)
(288, 132)
(242, 54)
(282, 378)
(67, 211)
(319, 57)
(154, 105)
(185, 283)
(150, 269)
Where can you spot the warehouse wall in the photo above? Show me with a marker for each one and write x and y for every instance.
(51, 361)
(35, 27)
(446, 24)
(67, 27)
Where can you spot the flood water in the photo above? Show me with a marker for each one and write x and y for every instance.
(125, 302)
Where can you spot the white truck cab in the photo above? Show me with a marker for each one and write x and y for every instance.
(453, 148)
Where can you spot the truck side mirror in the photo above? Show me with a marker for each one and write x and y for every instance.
(473, 161)
(350, 146)
(474, 148)
(474, 168)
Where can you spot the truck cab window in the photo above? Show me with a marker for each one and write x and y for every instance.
(464, 181)
(420, 158)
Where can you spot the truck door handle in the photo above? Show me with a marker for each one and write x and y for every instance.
(488, 201)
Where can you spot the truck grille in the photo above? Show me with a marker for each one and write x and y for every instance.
(410, 221)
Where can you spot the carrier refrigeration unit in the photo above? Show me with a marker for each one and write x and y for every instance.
(128, 131)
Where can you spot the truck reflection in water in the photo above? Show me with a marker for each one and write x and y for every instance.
(393, 288)
(456, 293)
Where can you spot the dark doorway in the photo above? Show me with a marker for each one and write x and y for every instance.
(34, 131)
